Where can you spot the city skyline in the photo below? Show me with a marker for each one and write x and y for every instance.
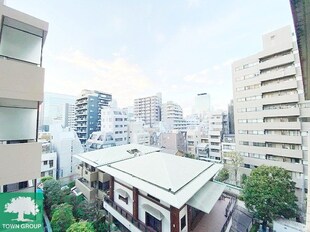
(137, 49)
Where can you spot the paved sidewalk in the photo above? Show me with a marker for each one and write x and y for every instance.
(214, 221)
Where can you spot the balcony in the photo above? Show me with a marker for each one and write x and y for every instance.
(20, 162)
(27, 80)
(293, 167)
(282, 112)
(277, 74)
(282, 125)
(280, 99)
(90, 175)
(125, 217)
(278, 61)
(279, 86)
(89, 192)
(79, 170)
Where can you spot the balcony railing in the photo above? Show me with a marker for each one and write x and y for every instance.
(137, 223)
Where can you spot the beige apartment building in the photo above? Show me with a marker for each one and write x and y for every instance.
(21, 92)
(271, 118)
(148, 109)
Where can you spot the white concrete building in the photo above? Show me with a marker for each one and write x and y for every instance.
(48, 161)
(100, 140)
(136, 195)
(114, 120)
(66, 143)
(137, 133)
(218, 125)
(271, 114)
(21, 93)
(172, 116)
(193, 138)
(228, 145)
(148, 109)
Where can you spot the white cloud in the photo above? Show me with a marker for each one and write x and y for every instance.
(193, 3)
(124, 80)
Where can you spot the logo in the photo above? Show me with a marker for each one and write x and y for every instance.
(21, 212)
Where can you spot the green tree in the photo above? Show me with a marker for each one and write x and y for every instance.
(77, 203)
(189, 155)
(234, 161)
(223, 175)
(81, 226)
(45, 178)
(269, 192)
(62, 218)
(52, 194)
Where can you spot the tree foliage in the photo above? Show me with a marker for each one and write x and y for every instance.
(234, 161)
(223, 175)
(45, 178)
(81, 226)
(52, 194)
(269, 192)
(62, 218)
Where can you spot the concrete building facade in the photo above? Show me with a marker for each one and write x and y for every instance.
(21, 93)
(270, 112)
(148, 109)
(88, 112)
(218, 126)
(140, 198)
(172, 116)
(48, 161)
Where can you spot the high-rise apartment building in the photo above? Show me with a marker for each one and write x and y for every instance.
(202, 105)
(88, 112)
(172, 116)
(269, 123)
(148, 109)
(21, 93)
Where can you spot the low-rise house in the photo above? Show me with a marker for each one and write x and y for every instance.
(93, 183)
(148, 190)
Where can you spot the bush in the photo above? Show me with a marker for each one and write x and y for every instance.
(81, 226)
(45, 178)
(222, 175)
(62, 218)
(71, 184)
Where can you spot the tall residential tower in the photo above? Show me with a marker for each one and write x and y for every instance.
(88, 112)
(148, 109)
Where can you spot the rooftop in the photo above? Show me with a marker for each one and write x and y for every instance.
(113, 154)
(174, 179)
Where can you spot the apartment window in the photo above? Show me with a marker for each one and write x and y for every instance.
(51, 163)
(183, 222)
(152, 222)
(42, 174)
(50, 173)
(45, 162)
(124, 199)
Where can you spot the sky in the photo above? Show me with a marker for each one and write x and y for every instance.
(137, 48)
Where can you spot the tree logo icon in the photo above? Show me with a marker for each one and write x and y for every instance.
(21, 206)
